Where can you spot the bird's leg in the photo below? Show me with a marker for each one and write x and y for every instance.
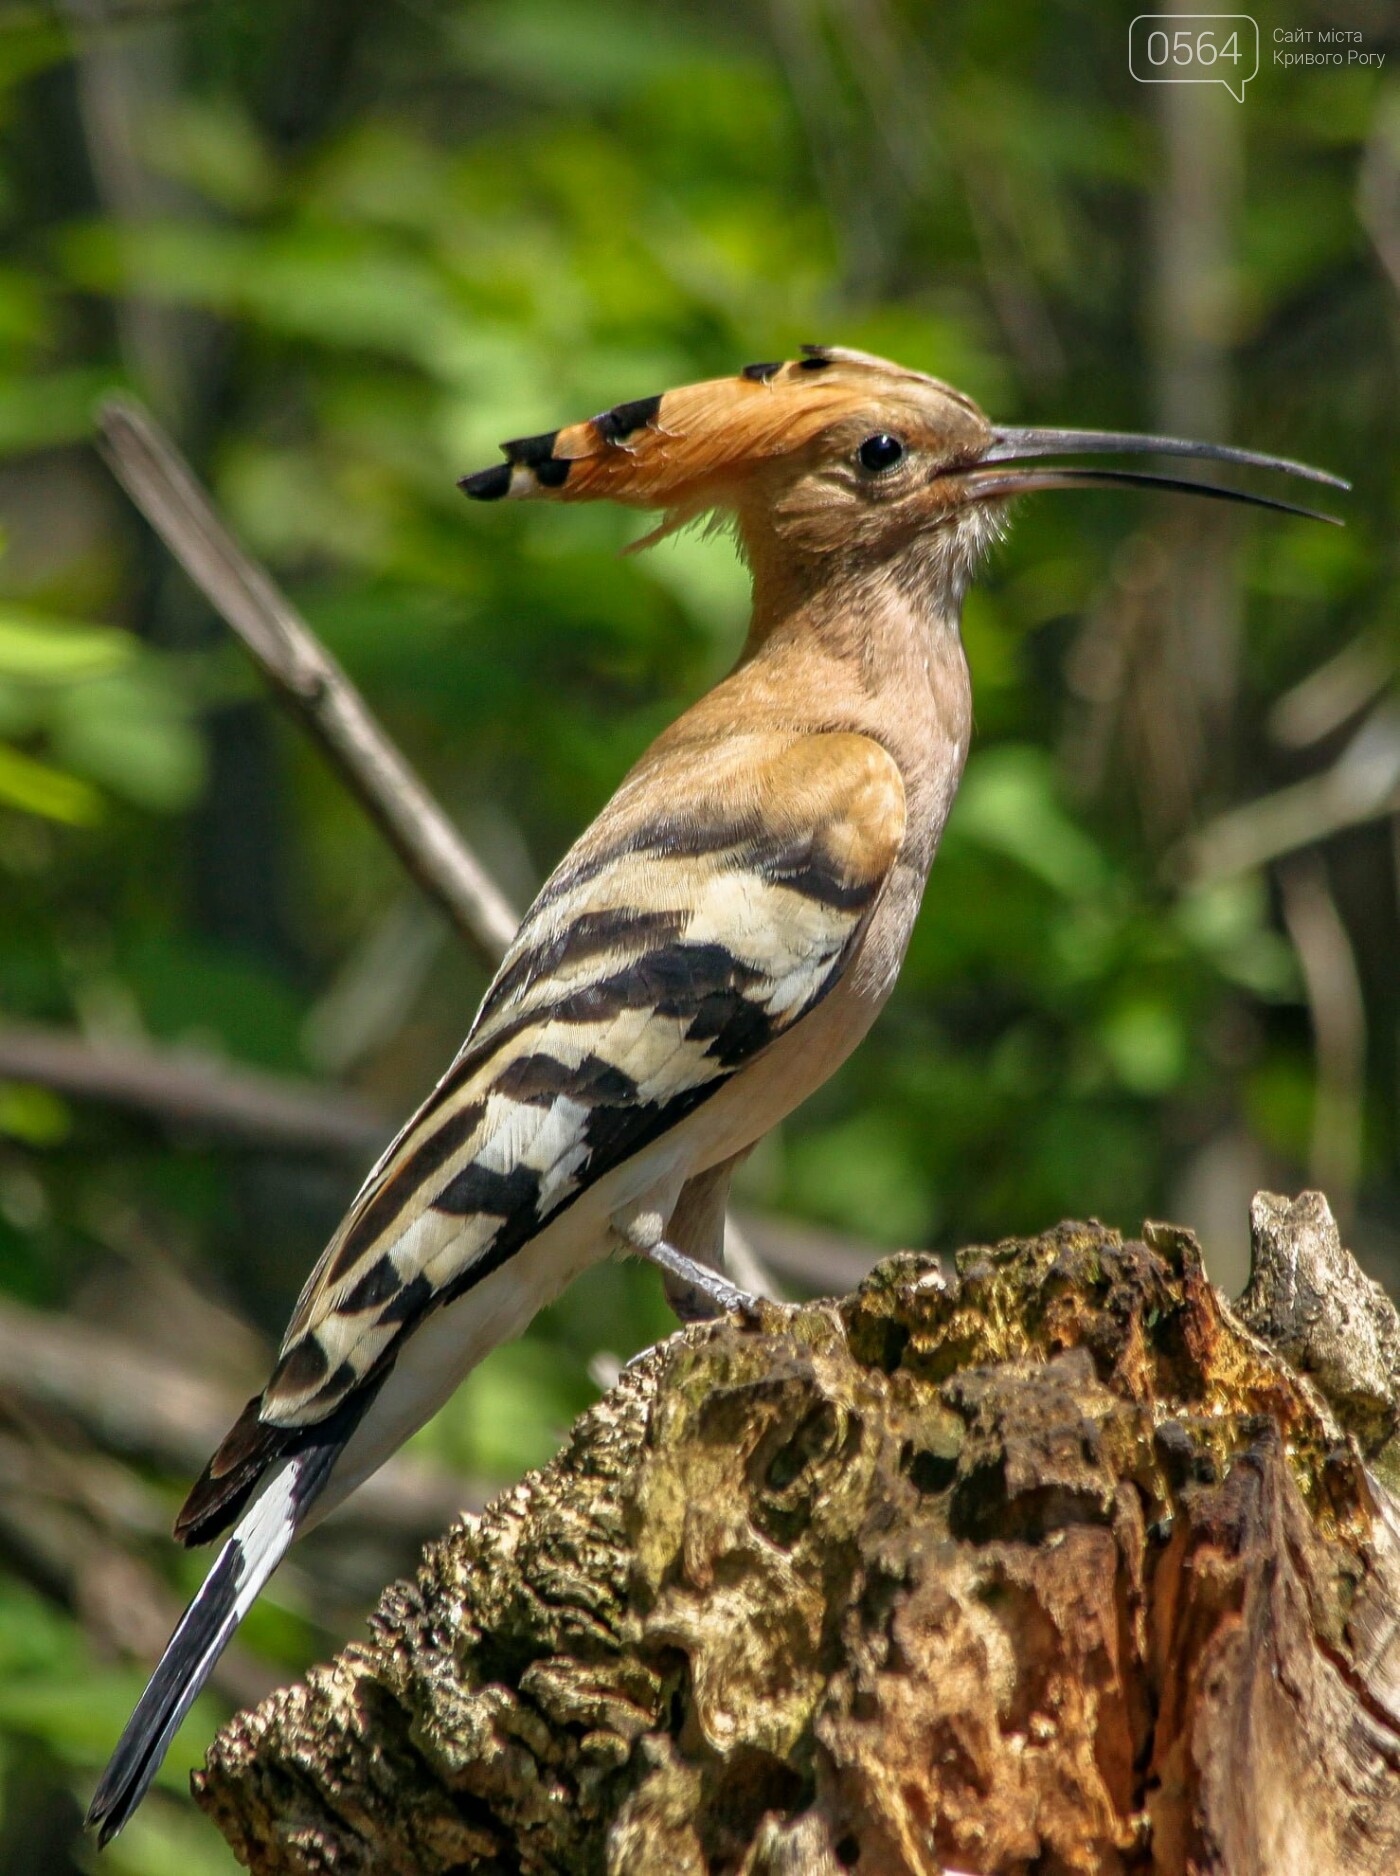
(710, 1294)
(700, 1229)
(696, 1292)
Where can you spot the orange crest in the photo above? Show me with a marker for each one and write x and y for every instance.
(688, 449)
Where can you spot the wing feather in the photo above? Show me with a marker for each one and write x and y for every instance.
(678, 940)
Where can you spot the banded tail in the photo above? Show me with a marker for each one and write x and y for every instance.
(252, 1552)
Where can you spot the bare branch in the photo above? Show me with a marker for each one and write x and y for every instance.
(1330, 696)
(1378, 189)
(133, 1398)
(199, 1091)
(252, 1107)
(1362, 785)
(1338, 1012)
(826, 1262)
(164, 488)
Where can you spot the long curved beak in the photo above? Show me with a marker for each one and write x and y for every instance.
(1013, 447)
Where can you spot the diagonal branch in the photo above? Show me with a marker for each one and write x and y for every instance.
(1338, 1011)
(135, 1398)
(199, 1091)
(163, 486)
(1363, 784)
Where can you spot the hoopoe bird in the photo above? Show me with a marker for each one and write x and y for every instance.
(707, 953)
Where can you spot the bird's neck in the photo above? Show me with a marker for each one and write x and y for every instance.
(872, 646)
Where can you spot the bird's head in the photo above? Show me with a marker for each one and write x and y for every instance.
(835, 454)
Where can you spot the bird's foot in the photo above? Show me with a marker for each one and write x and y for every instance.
(696, 1292)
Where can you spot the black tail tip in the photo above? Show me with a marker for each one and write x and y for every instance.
(487, 485)
(123, 1786)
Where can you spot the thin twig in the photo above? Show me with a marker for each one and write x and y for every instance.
(164, 488)
(1334, 693)
(1378, 189)
(1338, 1012)
(134, 1399)
(252, 1107)
(827, 1262)
(186, 1089)
(1362, 785)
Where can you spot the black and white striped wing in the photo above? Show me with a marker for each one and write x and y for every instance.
(671, 947)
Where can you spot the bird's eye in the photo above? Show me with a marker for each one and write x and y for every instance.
(880, 452)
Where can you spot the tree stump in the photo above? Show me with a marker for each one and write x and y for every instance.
(1056, 1564)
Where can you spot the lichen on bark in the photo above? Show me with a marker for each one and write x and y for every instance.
(1052, 1564)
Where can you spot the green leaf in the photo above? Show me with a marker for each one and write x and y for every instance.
(863, 1176)
(593, 55)
(1146, 1042)
(1228, 921)
(31, 40)
(507, 1415)
(703, 570)
(213, 145)
(52, 407)
(37, 1116)
(131, 732)
(38, 648)
(39, 789)
(22, 309)
(1008, 804)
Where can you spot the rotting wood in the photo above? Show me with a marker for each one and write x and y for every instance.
(1052, 1564)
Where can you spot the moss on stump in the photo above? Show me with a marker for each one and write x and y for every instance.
(1050, 1565)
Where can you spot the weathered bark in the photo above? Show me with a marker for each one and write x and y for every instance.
(1054, 1565)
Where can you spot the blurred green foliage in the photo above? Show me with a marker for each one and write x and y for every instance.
(343, 249)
